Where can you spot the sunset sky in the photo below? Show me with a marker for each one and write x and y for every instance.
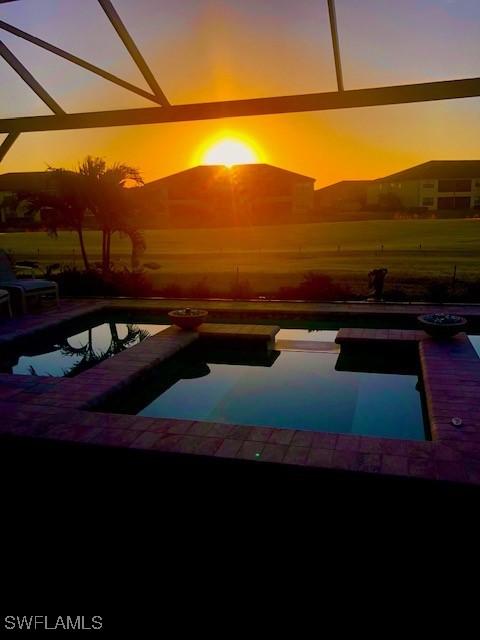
(203, 50)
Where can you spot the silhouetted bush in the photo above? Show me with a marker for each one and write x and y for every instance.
(315, 286)
(240, 290)
(200, 290)
(130, 283)
(171, 291)
(471, 292)
(437, 292)
(395, 295)
(73, 282)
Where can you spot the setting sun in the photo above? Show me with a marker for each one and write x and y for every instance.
(229, 151)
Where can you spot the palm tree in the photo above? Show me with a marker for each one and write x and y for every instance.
(90, 357)
(134, 335)
(109, 201)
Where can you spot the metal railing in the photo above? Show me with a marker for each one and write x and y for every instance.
(164, 111)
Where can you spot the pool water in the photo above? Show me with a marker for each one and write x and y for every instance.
(314, 335)
(77, 348)
(475, 340)
(75, 352)
(287, 389)
(300, 385)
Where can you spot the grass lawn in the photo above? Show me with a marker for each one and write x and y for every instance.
(273, 256)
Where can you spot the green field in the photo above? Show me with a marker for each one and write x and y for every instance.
(273, 256)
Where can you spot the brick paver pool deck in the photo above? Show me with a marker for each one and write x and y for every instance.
(64, 408)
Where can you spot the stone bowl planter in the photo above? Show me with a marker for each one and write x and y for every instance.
(188, 319)
(442, 325)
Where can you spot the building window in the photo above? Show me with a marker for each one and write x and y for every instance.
(429, 185)
(453, 203)
(453, 186)
(427, 202)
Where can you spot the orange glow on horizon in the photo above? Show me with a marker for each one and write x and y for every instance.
(227, 50)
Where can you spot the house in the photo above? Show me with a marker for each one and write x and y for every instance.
(347, 195)
(438, 185)
(215, 195)
(28, 181)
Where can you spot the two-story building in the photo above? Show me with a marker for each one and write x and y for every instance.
(347, 195)
(215, 195)
(438, 185)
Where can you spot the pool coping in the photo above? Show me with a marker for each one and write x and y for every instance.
(27, 326)
(64, 409)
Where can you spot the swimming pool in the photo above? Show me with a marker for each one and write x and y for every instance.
(475, 340)
(76, 349)
(314, 335)
(310, 390)
(81, 345)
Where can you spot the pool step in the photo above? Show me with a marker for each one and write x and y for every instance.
(360, 336)
(307, 345)
(258, 335)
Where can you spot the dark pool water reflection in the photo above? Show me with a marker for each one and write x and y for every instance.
(72, 354)
(288, 389)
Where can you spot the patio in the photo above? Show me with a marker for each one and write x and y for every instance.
(62, 410)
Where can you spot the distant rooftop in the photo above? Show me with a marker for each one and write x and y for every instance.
(213, 170)
(24, 181)
(344, 184)
(437, 169)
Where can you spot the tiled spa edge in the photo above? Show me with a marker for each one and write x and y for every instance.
(451, 372)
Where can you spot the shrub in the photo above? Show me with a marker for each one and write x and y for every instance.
(472, 292)
(73, 282)
(171, 291)
(395, 295)
(240, 290)
(130, 283)
(437, 292)
(315, 286)
(200, 290)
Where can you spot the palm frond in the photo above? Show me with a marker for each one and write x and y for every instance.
(68, 350)
(143, 334)
(86, 363)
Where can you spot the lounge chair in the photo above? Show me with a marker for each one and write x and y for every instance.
(5, 299)
(24, 288)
